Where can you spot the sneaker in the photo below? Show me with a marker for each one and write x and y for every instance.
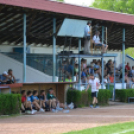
(91, 106)
(71, 106)
(33, 111)
(96, 107)
(54, 111)
(28, 112)
(41, 110)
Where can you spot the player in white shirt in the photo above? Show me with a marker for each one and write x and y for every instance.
(94, 83)
(96, 40)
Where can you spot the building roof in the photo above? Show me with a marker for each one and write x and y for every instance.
(40, 14)
(58, 7)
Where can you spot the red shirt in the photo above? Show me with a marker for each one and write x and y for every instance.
(127, 67)
(111, 78)
(23, 99)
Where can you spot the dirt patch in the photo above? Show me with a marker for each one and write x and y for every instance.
(55, 123)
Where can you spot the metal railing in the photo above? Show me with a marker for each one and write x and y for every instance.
(41, 62)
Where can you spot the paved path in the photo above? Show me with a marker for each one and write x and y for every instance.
(55, 123)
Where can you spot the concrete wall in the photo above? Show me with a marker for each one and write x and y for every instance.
(32, 75)
(48, 50)
(130, 60)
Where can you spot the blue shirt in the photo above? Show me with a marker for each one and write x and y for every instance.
(34, 98)
(86, 30)
(83, 74)
(29, 98)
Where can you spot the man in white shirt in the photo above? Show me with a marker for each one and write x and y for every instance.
(87, 38)
(94, 83)
(96, 40)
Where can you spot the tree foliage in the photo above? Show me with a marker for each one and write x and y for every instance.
(123, 6)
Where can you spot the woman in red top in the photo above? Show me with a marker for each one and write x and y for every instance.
(127, 67)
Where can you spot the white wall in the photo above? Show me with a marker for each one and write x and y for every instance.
(32, 75)
(130, 60)
(48, 50)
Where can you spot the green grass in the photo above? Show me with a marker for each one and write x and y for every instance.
(9, 116)
(121, 128)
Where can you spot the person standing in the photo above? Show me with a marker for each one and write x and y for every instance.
(94, 83)
(87, 33)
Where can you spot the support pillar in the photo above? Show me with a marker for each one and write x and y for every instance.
(79, 62)
(123, 60)
(54, 49)
(102, 60)
(24, 48)
(114, 80)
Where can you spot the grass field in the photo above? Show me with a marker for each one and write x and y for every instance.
(122, 128)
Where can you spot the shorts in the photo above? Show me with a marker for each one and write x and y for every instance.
(94, 94)
(100, 45)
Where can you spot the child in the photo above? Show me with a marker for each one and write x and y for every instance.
(35, 101)
(43, 101)
(27, 101)
(94, 83)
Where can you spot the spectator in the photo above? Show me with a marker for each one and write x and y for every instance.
(83, 76)
(9, 76)
(97, 42)
(111, 78)
(127, 67)
(133, 71)
(43, 100)
(35, 101)
(105, 79)
(26, 105)
(53, 100)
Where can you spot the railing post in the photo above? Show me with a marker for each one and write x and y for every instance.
(54, 49)
(114, 81)
(123, 59)
(102, 60)
(24, 48)
(79, 61)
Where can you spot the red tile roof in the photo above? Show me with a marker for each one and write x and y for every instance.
(59, 7)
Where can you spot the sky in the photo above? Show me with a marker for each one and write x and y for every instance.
(80, 2)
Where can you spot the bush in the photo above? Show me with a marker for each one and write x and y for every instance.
(83, 98)
(123, 94)
(10, 104)
(103, 96)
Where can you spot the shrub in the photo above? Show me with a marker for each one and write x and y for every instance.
(10, 104)
(103, 96)
(123, 94)
(83, 98)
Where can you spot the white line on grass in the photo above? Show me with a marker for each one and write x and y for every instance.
(125, 131)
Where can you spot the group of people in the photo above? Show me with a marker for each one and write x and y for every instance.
(95, 40)
(7, 77)
(33, 102)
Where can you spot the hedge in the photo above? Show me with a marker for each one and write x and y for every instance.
(123, 94)
(83, 98)
(10, 104)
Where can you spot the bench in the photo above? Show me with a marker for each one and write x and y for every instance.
(130, 98)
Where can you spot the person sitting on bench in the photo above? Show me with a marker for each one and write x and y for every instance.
(53, 100)
(96, 40)
(26, 105)
(35, 101)
(9, 76)
(43, 101)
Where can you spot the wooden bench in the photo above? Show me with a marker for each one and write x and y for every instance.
(130, 98)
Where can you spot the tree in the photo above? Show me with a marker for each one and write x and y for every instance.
(123, 6)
